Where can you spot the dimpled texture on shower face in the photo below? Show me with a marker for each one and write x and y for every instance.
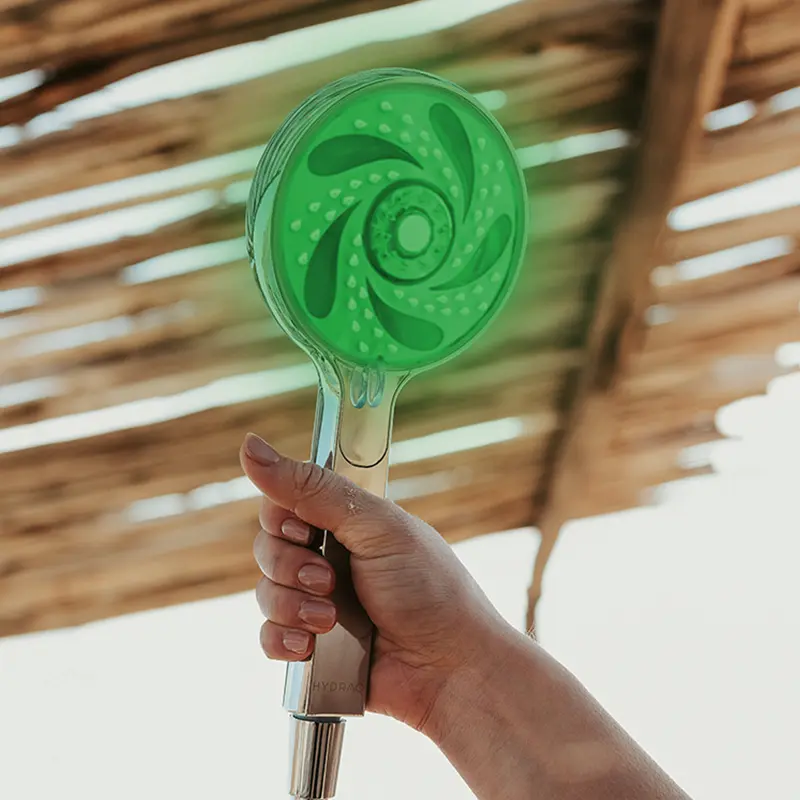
(399, 224)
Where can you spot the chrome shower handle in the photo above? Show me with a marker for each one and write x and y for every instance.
(352, 439)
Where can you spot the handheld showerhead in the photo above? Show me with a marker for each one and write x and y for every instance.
(386, 225)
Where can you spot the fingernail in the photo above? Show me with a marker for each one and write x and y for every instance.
(315, 577)
(296, 531)
(296, 641)
(259, 450)
(317, 612)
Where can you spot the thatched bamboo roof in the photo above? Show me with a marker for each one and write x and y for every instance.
(136, 352)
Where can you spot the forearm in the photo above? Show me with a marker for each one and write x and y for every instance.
(518, 726)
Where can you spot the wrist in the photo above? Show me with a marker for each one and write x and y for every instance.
(489, 654)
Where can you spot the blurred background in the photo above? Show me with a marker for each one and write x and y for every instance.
(616, 460)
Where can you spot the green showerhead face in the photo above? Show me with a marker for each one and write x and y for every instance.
(387, 221)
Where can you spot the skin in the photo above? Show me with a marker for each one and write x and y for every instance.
(512, 721)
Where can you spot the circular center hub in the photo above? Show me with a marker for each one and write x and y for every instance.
(410, 232)
(414, 233)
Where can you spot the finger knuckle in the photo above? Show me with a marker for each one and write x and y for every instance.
(310, 479)
(259, 544)
(264, 595)
(265, 514)
(268, 641)
(282, 609)
(272, 560)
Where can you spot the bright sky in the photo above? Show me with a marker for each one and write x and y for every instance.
(684, 619)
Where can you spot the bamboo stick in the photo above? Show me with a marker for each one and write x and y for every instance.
(761, 147)
(761, 7)
(648, 418)
(746, 372)
(742, 340)
(709, 317)
(207, 227)
(751, 276)
(632, 469)
(681, 245)
(493, 70)
(221, 295)
(69, 214)
(769, 34)
(760, 80)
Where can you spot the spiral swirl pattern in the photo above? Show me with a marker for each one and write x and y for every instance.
(398, 223)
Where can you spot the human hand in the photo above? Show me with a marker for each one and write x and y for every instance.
(432, 620)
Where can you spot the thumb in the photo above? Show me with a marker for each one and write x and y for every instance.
(318, 496)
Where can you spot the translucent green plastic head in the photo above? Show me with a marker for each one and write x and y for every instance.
(387, 221)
